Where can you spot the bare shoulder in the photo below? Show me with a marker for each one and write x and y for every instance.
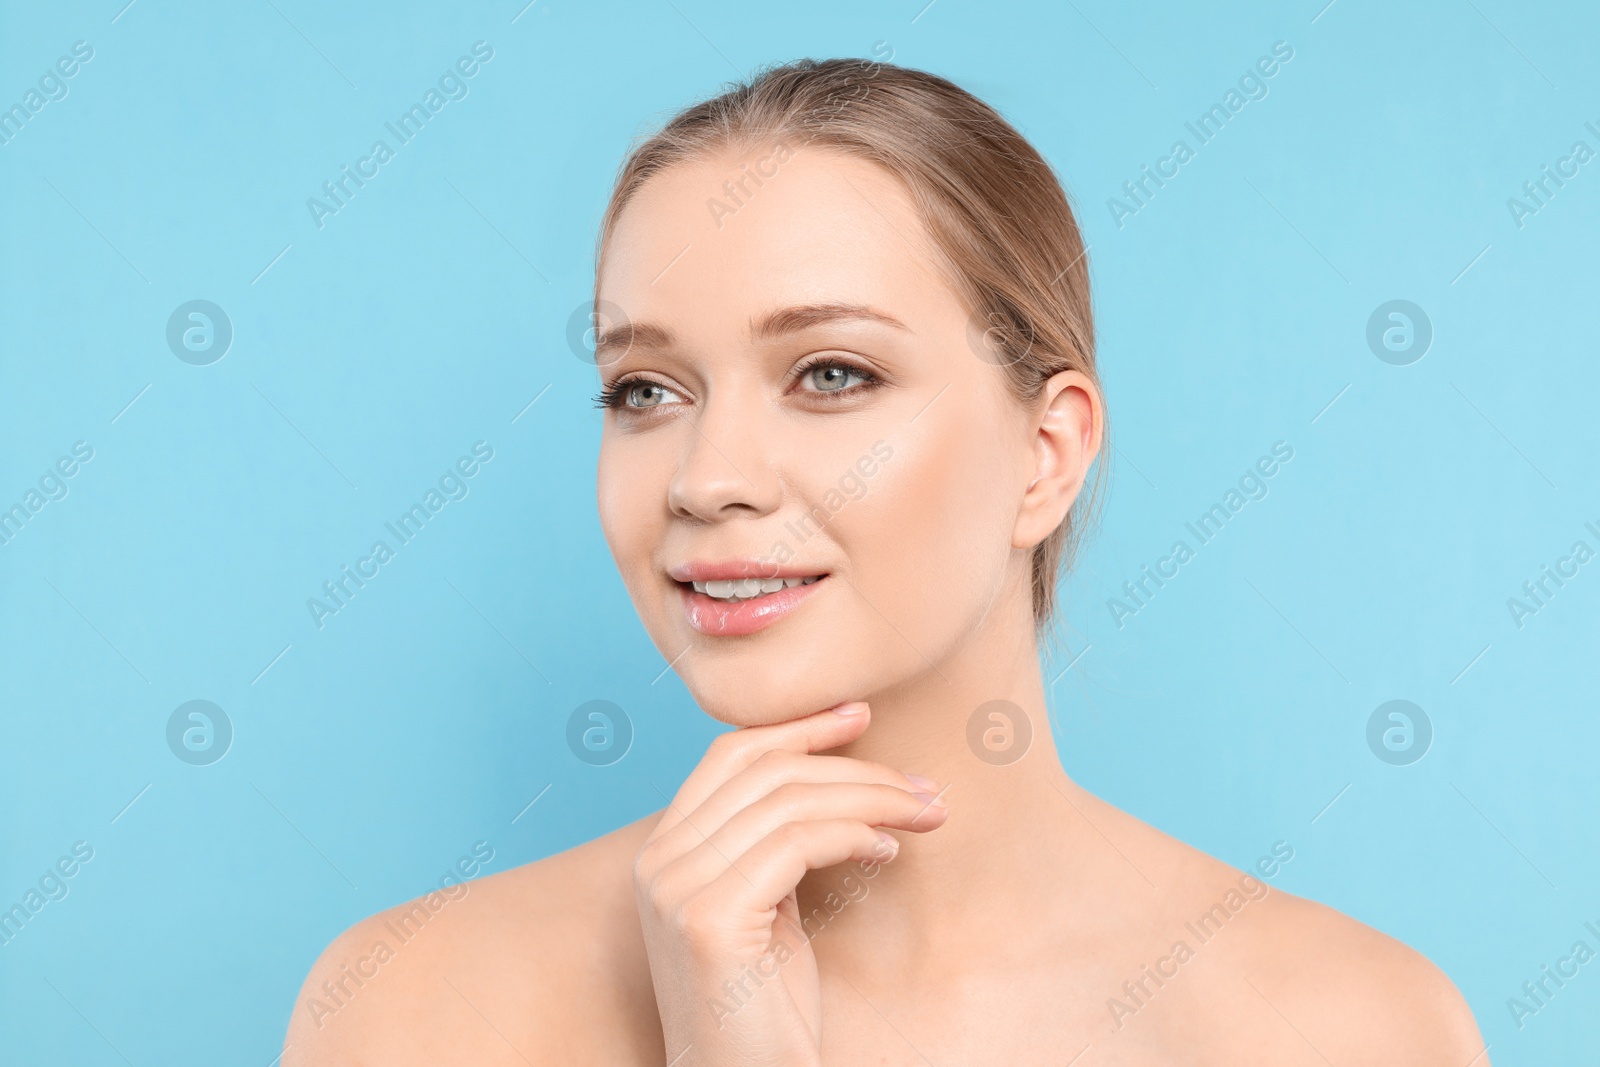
(1369, 997)
(1288, 973)
(543, 963)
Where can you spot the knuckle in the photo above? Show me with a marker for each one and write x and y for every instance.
(882, 772)
(692, 918)
(735, 748)
(880, 799)
(658, 896)
(652, 887)
(645, 865)
(788, 837)
(643, 878)
(787, 797)
(725, 742)
(774, 761)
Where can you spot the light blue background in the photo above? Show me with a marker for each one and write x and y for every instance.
(429, 312)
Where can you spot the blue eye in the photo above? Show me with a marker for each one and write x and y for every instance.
(635, 394)
(832, 377)
(643, 394)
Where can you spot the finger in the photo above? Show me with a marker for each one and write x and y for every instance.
(770, 771)
(771, 869)
(869, 804)
(735, 750)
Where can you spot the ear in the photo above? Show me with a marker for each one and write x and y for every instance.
(1069, 419)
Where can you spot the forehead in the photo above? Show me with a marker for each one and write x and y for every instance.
(724, 237)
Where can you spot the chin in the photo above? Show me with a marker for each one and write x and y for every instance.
(782, 671)
(776, 676)
(743, 691)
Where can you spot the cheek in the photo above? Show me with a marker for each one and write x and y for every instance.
(628, 499)
(930, 543)
(609, 502)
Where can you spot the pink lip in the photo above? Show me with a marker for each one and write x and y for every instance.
(717, 618)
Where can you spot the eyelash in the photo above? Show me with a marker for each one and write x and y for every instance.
(612, 395)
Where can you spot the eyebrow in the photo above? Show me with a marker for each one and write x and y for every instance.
(775, 324)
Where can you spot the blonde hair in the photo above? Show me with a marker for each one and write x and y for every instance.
(993, 206)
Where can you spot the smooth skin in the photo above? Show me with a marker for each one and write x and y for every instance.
(841, 880)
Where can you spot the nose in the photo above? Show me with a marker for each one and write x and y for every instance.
(727, 469)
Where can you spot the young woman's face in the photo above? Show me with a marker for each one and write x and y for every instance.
(797, 396)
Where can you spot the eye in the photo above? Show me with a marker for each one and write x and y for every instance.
(645, 394)
(635, 394)
(832, 377)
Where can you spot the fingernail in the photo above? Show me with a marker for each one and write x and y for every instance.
(855, 707)
(927, 785)
(932, 800)
(891, 843)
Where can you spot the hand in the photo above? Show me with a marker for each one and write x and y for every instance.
(734, 975)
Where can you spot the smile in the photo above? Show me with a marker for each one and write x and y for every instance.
(741, 589)
(738, 598)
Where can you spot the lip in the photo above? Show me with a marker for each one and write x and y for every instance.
(718, 618)
(729, 570)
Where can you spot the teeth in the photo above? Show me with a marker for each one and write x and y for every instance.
(736, 589)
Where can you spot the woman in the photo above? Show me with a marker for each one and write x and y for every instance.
(851, 404)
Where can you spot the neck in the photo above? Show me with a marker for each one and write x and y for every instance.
(978, 724)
